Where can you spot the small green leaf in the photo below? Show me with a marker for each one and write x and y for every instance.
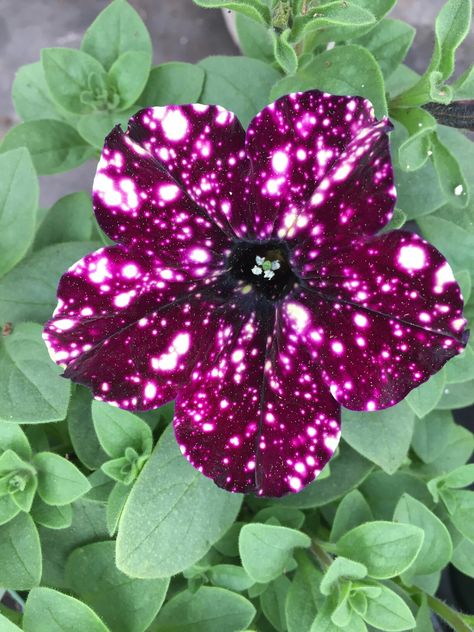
(451, 240)
(8, 509)
(129, 74)
(415, 151)
(12, 437)
(115, 504)
(383, 436)
(423, 399)
(399, 218)
(81, 429)
(20, 554)
(255, 9)
(31, 389)
(174, 82)
(207, 610)
(48, 610)
(172, 507)
(347, 70)
(284, 52)
(304, 598)
(7, 626)
(118, 29)
(287, 517)
(69, 219)
(346, 17)
(437, 547)
(323, 622)
(54, 146)
(461, 367)
(457, 396)
(265, 550)
(101, 487)
(255, 39)
(463, 557)
(51, 517)
(389, 612)
(125, 604)
(18, 202)
(96, 126)
(59, 480)
(352, 511)
(383, 491)
(230, 576)
(385, 548)
(432, 434)
(28, 292)
(240, 84)
(119, 429)
(460, 477)
(341, 570)
(461, 508)
(464, 86)
(272, 602)
(389, 41)
(67, 72)
(31, 96)
(452, 26)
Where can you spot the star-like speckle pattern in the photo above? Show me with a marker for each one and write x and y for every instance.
(249, 283)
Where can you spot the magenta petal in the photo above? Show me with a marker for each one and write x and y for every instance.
(137, 202)
(250, 430)
(355, 198)
(293, 143)
(382, 318)
(202, 147)
(127, 330)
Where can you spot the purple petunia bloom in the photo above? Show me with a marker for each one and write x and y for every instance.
(250, 284)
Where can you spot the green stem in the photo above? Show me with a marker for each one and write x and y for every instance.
(323, 558)
(452, 618)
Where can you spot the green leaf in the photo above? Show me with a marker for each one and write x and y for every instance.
(457, 396)
(117, 30)
(415, 151)
(451, 27)
(284, 52)
(228, 544)
(31, 389)
(48, 610)
(437, 547)
(346, 70)
(287, 517)
(28, 292)
(129, 74)
(69, 219)
(460, 477)
(20, 554)
(81, 429)
(456, 245)
(240, 84)
(451, 176)
(464, 86)
(265, 550)
(59, 480)
(88, 525)
(303, 597)
(13, 438)
(352, 511)
(461, 508)
(8, 509)
(207, 610)
(272, 602)
(346, 17)
(115, 504)
(389, 612)
(463, 557)
(172, 507)
(230, 576)
(385, 548)
(322, 622)
(255, 9)
(54, 146)
(119, 429)
(383, 491)
(423, 399)
(389, 41)
(101, 487)
(31, 96)
(461, 367)
(7, 626)
(341, 569)
(174, 82)
(96, 126)
(51, 517)
(383, 436)
(432, 435)
(125, 604)
(18, 202)
(67, 72)
(348, 470)
(254, 38)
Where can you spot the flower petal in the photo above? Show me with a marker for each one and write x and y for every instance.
(382, 318)
(202, 147)
(127, 330)
(355, 198)
(293, 143)
(253, 431)
(137, 202)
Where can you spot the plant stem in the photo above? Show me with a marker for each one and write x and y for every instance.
(452, 618)
(324, 559)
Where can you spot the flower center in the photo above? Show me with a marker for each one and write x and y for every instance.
(264, 267)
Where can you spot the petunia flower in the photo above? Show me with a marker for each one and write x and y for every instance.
(250, 283)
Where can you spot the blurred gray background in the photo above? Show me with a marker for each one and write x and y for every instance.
(179, 31)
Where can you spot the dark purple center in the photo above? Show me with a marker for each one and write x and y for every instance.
(273, 278)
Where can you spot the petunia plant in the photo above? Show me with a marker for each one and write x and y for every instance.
(228, 373)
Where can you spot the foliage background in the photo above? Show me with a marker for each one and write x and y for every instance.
(78, 559)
